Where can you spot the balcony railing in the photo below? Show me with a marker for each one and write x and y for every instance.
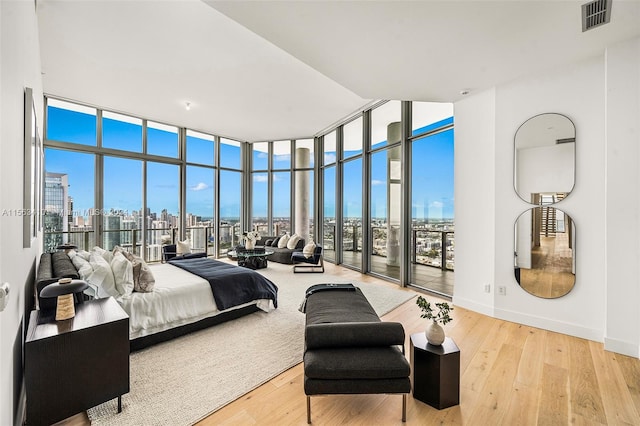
(202, 239)
(433, 248)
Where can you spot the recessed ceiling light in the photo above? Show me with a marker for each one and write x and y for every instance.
(464, 91)
(187, 106)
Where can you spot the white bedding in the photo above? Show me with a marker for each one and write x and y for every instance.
(179, 298)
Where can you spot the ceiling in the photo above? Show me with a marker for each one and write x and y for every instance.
(269, 70)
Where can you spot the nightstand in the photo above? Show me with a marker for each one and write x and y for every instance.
(76, 364)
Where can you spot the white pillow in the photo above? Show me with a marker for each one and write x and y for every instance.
(143, 279)
(102, 275)
(282, 242)
(122, 274)
(83, 254)
(72, 253)
(107, 255)
(84, 268)
(309, 249)
(183, 247)
(293, 241)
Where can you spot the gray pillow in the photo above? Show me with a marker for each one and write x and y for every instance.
(275, 242)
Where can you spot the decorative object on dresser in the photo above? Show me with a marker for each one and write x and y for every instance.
(64, 290)
(434, 332)
(436, 372)
(348, 350)
(73, 365)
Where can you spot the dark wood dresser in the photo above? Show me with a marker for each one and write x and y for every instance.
(75, 364)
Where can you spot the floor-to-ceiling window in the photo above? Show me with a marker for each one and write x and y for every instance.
(281, 192)
(352, 193)
(329, 196)
(142, 176)
(260, 187)
(230, 193)
(200, 189)
(69, 199)
(432, 227)
(385, 190)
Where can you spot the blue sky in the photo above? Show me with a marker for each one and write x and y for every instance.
(432, 174)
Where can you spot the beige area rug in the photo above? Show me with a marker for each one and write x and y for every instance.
(182, 381)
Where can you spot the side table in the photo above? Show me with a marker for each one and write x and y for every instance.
(435, 372)
(75, 364)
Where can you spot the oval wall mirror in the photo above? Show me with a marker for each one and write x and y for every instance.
(545, 252)
(545, 148)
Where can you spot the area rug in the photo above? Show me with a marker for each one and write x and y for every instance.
(182, 381)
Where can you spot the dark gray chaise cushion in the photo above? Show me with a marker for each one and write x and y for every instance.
(353, 334)
(356, 363)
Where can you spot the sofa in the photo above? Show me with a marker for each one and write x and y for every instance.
(348, 350)
(280, 255)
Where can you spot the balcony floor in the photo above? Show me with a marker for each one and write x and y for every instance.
(427, 277)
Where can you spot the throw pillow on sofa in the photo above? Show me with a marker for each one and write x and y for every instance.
(183, 247)
(309, 249)
(282, 242)
(275, 242)
(293, 241)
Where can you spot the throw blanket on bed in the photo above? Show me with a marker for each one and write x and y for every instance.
(231, 285)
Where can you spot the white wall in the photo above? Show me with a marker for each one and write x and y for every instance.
(622, 198)
(577, 91)
(475, 200)
(545, 169)
(20, 67)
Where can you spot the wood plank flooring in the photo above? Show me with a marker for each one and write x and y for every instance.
(511, 374)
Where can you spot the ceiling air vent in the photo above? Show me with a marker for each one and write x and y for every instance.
(595, 13)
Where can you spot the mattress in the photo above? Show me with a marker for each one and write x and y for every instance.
(179, 298)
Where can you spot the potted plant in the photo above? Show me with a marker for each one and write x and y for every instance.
(435, 332)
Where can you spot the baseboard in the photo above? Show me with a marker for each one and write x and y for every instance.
(549, 324)
(545, 324)
(621, 347)
(473, 305)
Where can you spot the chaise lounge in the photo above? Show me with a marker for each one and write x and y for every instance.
(348, 350)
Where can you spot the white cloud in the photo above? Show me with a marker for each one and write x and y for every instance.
(377, 182)
(329, 158)
(436, 204)
(199, 186)
(260, 178)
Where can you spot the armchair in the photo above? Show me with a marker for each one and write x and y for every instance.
(312, 263)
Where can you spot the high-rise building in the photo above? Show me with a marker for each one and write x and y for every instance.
(56, 195)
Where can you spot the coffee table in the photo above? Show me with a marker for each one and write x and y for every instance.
(252, 259)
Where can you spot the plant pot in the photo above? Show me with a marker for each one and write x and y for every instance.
(249, 245)
(435, 334)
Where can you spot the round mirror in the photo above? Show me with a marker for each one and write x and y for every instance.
(545, 252)
(545, 147)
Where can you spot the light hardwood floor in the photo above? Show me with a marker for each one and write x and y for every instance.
(511, 374)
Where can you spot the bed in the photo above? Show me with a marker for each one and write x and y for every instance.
(181, 301)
